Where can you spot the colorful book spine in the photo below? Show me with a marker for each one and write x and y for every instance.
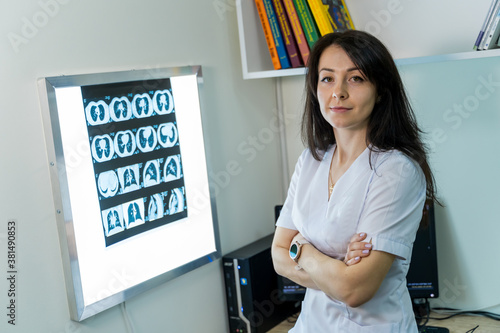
(307, 21)
(297, 30)
(335, 12)
(290, 43)
(485, 24)
(261, 9)
(329, 17)
(278, 38)
(488, 26)
(491, 36)
(347, 15)
(320, 16)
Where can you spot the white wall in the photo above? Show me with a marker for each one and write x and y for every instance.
(456, 103)
(463, 156)
(76, 37)
(420, 28)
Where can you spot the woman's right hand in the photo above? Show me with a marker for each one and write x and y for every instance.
(357, 249)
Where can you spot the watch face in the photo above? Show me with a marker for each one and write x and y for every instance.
(294, 249)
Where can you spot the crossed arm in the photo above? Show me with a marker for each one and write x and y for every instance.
(353, 282)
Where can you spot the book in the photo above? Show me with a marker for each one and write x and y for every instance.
(297, 30)
(288, 38)
(261, 9)
(347, 15)
(485, 24)
(488, 26)
(278, 38)
(321, 17)
(491, 36)
(328, 16)
(334, 8)
(307, 22)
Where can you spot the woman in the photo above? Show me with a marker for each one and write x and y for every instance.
(364, 170)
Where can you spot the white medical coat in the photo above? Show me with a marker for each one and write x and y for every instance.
(385, 200)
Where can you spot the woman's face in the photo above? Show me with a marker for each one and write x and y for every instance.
(346, 98)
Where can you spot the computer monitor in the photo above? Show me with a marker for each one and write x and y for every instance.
(422, 277)
(287, 289)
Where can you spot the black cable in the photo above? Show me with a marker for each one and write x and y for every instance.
(490, 315)
(472, 329)
(428, 311)
(422, 310)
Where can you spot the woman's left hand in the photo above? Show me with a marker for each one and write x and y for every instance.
(357, 249)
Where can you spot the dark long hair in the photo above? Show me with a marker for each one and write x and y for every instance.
(392, 123)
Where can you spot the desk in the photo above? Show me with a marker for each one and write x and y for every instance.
(457, 324)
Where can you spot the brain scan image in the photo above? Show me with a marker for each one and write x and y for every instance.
(172, 168)
(134, 213)
(107, 183)
(155, 207)
(97, 113)
(141, 106)
(124, 143)
(163, 102)
(146, 139)
(102, 148)
(112, 220)
(167, 135)
(129, 178)
(176, 201)
(120, 109)
(151, 173)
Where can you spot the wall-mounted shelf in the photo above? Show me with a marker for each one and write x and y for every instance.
(449, 57)
(256, 61)
(255, 58)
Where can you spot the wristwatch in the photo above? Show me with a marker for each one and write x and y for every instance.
(295, 249)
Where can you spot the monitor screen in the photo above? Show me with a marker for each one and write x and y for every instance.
(422, 277)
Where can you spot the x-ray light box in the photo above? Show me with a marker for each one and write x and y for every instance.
(130, 181)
